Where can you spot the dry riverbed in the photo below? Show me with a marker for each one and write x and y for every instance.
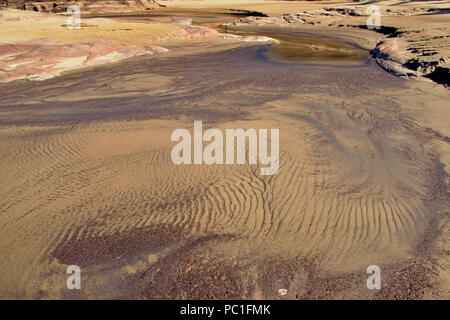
(87, 176)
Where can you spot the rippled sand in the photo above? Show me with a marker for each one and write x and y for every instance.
(87, 179)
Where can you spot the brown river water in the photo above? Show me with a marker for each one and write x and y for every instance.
(291, 45)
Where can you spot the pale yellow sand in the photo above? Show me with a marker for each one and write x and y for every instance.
(102, 196)
(18, 25)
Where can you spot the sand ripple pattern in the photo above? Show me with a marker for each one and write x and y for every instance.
(357, 182)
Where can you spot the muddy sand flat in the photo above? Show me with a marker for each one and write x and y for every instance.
(87, 180)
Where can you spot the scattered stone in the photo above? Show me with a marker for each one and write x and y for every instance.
(282, 292)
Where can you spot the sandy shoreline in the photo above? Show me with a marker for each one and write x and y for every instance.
(404, 49)
(39, 46)
(87, 177)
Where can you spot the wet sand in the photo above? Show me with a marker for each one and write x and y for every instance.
(88, 180)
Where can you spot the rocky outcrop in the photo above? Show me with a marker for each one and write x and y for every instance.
(390, 56)
(43, 59)
(412, 51)
(191, 32)
(86, 6)
(312, 16)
